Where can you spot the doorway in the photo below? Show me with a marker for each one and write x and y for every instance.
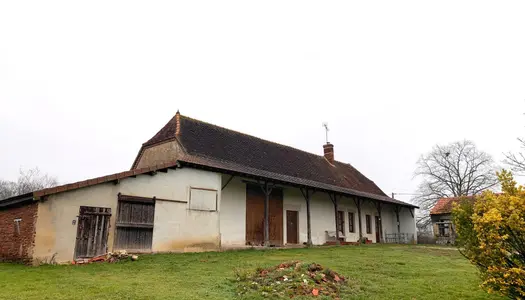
(92, 231)
(292, 227)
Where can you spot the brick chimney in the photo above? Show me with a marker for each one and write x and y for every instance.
(329, 152)
(177, 120)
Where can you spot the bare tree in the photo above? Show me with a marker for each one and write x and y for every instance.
(516, 161)
(453, 170)
(28, 181)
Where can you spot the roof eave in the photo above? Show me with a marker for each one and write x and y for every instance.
(17, 200)
(247, 175)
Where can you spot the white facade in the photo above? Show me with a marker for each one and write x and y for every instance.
(322, 214)
(179, 228)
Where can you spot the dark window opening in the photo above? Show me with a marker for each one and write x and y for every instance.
(341, 221)
(351, 222)
(368, 224)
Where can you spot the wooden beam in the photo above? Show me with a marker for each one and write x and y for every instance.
(227, 182)
(333, 197)
(306, 194)
(357, 202)
(378, 205)
(267, 190)
(411, 210)
(397, 208)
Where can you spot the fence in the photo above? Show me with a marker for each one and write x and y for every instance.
(399, 238)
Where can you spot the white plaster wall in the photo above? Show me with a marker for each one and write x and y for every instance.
(56, 233)
(233, 212)
(408, 223)
(176, 228)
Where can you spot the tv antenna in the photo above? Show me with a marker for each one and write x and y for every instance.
(325, 125)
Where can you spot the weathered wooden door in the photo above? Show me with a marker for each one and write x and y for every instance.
(135, 220)
(378, 230)
(292, 228)
(255, 216)
(92, 231)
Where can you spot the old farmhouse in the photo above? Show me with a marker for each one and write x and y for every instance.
(195, 186)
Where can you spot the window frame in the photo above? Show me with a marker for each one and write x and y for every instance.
(203, 189)
(341, 220)
(368, 224)
(351, 222)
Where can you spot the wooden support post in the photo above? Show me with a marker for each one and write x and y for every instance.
(358, 204)
(333, 197)
(398, 223)
(378, 205)
(267, 189)
(306, 194)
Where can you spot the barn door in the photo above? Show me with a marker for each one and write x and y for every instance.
(135, 219)
(92, 231)
(255, 216)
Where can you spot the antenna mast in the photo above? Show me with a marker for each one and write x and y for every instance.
(325, 125)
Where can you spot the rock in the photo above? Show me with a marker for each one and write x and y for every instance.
(134, 257)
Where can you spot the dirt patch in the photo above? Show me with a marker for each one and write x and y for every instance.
(291, 280)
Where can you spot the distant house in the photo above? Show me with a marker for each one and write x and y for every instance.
(441, 217)
(195, 186)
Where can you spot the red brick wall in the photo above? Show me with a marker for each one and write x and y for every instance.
(14, 245)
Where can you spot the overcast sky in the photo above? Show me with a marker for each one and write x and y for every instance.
(83, 85)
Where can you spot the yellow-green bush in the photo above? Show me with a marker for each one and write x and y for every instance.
(491, 234)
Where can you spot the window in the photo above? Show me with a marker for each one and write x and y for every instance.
(444, 228)
(340, 221)
(203, 199)
(351, 222)
(368, 224)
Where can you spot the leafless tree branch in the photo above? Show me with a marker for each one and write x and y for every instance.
(28, 181)
(516, 161)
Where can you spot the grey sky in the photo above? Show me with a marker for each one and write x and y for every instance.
(83, 85)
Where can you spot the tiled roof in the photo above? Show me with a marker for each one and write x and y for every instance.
(216, 148)
(445, 205)
(207, 164)
(207, 140)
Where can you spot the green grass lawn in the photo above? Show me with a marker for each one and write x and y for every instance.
(381, 272)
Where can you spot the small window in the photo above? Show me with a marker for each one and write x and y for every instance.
(444, 229)
(368, 224)
(341, 221)
(203, 199)
(351, 222)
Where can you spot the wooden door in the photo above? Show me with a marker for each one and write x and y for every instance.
(135, 220)
(255, 216)
(292, 227)
(378, 230)
(92, 231)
